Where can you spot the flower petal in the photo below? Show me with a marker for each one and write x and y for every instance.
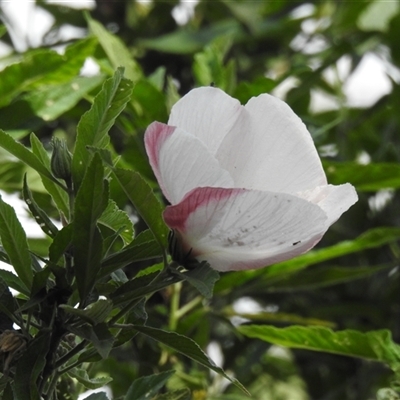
(207, 113)
(272, 150)
(181, 162)
(235, 229)
(334, 200)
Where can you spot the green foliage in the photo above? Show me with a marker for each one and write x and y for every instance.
(97, 300)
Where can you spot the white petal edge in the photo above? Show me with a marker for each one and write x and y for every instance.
(333, 200)
(271, 149)
(181, 162)
(207, 113)
(236, 229)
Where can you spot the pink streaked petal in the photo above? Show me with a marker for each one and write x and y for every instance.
(181, 162)
(272, 150)
(207, 113)
(243, 229)
(155, 136)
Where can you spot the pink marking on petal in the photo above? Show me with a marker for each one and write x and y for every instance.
(156, 134)
(176, 216)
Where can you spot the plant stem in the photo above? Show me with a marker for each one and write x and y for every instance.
(71, 353)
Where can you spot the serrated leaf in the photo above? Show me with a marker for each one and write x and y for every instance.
(61, 243)
(26, 156)
(59, 195)
(115, 50)
(187, 347)
(52, 101)
(91, 200)
(145, 202)
(94, 125)
(118, 221)
(146, 387)
(95, 313)
(40, 216)
(14, 241)
(30, 367)
(373, 345)
(202, 277)
(89, 383)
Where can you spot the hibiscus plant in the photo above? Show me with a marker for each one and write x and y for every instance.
(160, 214)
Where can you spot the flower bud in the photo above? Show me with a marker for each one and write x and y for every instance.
(61, 159)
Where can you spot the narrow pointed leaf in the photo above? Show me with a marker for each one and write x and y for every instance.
(25, 155)
(94, 125)
(373, 345)
(145, 202)
(90, 202)
(116, 50)
(187, 347)
(94, 314)
(13, 281)
(40, 216)
(14, 241)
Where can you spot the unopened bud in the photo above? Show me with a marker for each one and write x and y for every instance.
(61, 159)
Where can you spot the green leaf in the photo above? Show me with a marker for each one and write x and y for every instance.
(202, 277)
(13, 281)
(94, 314)
(94, 125)
(30, 367)
(59, 195)
(40, 216)
(43, 67)
(140, 287)
(91, 200)
(26, 156)
(118, 221)
(14, 241)
(61, 243)
(187, 347)
(144, 247)
(145, 202)
(209, 65)
(7, 302)
(146, 387)
(322, 277)
(373, 345)
(368, 178)
(82, 377)
(98, 335)
(52, 101)
(115, 50)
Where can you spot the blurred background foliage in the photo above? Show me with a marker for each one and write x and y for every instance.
(307, 52)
